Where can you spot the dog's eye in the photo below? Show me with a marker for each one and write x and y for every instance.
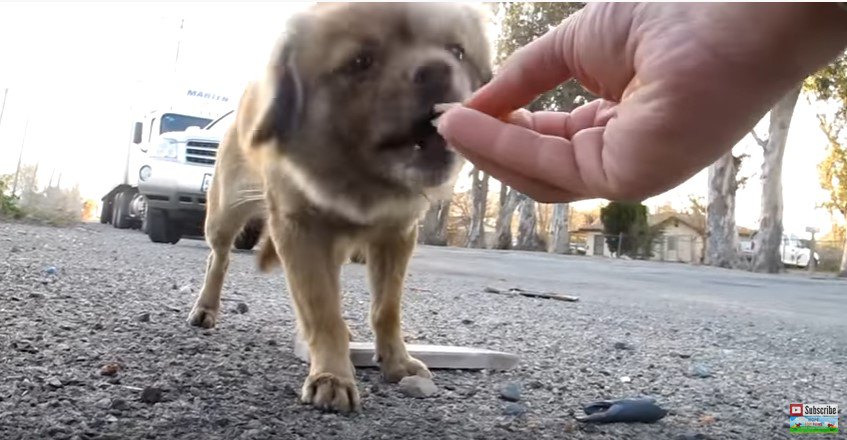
(361, 63)
(457, 51)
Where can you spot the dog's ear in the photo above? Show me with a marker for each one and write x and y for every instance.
(281, 100)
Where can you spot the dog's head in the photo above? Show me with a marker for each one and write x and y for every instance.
(354, 87)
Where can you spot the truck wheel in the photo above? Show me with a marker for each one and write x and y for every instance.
(120, 214)
(249, 236)
(106, 212)
(160, 229)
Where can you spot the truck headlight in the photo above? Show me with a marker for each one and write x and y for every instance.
(145, 172)
(166, 148)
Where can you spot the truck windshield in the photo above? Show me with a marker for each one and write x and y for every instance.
(222, 123)
(175, 122)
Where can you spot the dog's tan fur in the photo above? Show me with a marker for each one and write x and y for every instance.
(321, 148)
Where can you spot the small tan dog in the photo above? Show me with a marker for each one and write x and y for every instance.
(335, 148)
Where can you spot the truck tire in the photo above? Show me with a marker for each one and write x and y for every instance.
(160, 229)
(120, 213)
(106, 211)
(249, 236)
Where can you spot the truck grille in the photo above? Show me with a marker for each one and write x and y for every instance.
(201, 152)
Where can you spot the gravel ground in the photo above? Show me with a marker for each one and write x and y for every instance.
(95, 345)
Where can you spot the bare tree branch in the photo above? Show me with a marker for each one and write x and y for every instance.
(762, 142)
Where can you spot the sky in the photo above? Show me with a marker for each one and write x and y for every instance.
(79, 73)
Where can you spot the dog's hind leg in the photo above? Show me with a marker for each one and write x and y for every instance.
(228, 210)
(388, 256)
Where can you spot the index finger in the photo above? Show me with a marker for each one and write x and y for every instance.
(528, 72)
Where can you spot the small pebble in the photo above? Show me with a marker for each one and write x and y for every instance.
(535, 384)
(692, 436)
(144, 317)
(241, 308)
(467, 321)
(589, 428)
(707, 419)
(623, 346)
(289, 391)
(511, 392)
(514, 409)
(700, 370)
(120, 404)
(418, 387)
(53, 382)
(104, 403)
(626, 379)
(110, 369)
(151, 395)
(51, 270)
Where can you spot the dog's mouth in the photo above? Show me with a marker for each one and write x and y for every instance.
(423, 137)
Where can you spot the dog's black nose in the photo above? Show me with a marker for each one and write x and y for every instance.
(434, 76)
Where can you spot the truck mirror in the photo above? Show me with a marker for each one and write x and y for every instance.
(136, 133)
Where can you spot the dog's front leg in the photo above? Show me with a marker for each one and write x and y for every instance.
(312, 259)
(387, 259)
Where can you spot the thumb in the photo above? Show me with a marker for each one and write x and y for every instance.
(530, 71)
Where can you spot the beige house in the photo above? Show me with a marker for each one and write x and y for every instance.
(682, 238)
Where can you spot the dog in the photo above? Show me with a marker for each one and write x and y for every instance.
(335, 149)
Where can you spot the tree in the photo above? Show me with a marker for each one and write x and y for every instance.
(520, 24)
(559, 235)
(509, 200)
(528, 238)
(434, 227)
(766, 253)
(479, 191)
(721, 233)
(830, 86)
(627, 220)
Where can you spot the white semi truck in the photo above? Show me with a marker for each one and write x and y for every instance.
(169, 167)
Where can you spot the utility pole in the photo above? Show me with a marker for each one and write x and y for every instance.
(812, 265)
(3, 108)
(20, 156)
(178, 43)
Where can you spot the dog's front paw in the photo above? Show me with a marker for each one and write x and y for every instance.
(204, 317)
(327, 391)
(395, 370)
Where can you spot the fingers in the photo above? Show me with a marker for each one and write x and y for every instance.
(563, 166)
(537, 190)
(529, 71)
(594, 114)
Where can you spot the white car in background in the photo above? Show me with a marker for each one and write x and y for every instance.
(794, 250)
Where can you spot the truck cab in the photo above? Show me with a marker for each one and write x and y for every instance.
(171, 110)
(174, 179)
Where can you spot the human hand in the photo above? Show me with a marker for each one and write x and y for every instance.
(679, 84)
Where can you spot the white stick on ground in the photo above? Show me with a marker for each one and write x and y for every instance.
(434, 356)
